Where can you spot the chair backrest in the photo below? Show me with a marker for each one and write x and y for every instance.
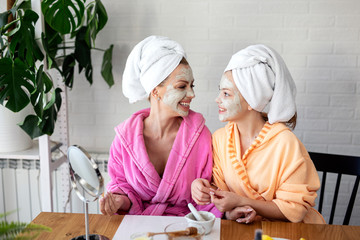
(339, 164)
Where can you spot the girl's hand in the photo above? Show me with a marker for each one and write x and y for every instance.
(111, 203)
(244, 214)
(225, 200)
(200, 191)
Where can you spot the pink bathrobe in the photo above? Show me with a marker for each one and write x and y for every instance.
(133, 174)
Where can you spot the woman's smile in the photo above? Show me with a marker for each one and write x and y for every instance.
(185, 105)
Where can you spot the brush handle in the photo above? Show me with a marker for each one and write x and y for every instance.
(196, 214)
(186, 232)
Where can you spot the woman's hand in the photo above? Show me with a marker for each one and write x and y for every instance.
(225, 200)
(244, 214)
(200, 191)
(112, 203)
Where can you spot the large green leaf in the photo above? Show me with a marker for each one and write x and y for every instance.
(36, 126)
(68, 70)
(23, 41)
(97, 18)
(17, 83)
(101, 15)
(43, 86)
(64, 16)
(106, 67)
(51, 40)
(25, 5)
(83, 53)
(50, 113)
(31, 127)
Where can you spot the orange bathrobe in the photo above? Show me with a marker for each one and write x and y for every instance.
(276, 167)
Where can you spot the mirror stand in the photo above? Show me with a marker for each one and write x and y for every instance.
(86, 205)
(87, 182)
(88, 236)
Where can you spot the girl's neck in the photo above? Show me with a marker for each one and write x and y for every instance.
(251, 126)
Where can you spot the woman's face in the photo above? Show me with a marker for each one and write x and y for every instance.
(230, 101)
(178, 90)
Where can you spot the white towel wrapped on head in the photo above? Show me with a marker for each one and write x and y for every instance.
(149, 63)
(265, 82)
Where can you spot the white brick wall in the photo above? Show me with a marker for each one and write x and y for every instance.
(319, 40)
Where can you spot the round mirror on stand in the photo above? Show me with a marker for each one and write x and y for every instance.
(87, 182)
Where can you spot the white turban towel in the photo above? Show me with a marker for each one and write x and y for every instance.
(149, 63)
(264, 81)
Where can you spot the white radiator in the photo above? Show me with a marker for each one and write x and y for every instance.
(19, 188)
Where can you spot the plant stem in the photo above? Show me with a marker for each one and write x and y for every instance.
(99, 49)
(71, 47)
(10, 4)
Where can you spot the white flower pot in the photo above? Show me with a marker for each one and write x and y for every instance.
(12, 137)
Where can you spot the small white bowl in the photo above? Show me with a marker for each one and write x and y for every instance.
(207, 224)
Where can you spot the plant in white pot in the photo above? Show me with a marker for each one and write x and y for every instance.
(12, 137)
(70, 30)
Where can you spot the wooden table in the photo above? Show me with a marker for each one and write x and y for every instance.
(69, 225)
(294, 231)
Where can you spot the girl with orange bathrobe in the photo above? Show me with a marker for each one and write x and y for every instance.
(261, 169)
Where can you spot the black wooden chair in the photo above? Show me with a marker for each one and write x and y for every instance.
(339, 164)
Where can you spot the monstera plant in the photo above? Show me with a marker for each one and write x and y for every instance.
(70, 28)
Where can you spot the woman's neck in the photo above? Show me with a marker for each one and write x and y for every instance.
(160, 124)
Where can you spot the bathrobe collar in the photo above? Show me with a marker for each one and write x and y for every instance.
(131, 135)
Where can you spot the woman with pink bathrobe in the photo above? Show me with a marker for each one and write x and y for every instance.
(159, 151)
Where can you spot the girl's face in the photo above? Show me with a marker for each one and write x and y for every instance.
(230, 101)
(179, 90)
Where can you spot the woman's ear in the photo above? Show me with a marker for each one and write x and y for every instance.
(155, 94)
(250, 108)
